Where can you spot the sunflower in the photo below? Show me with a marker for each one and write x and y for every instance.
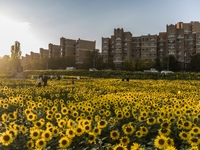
(61, 123)
(5, 106)
(124, 140)
(87, 128)
(4, 117)
(128, 130)
(194, 141)
(114, 134)
(64, 110)
(195, 130)
(58, 116)
(120, 147)
(75, 114)
(136, 146)
(144, 130)
(40, 143)
(6, 138)
(49, 117)
(170, 148)
(164, 131)
(30, 144)
(70, 123)
(187, 125)
(166, 124)
(64, 142)
(127, 114)
(183, 135)
(151, 121)
(47, 135)
(79, 131)
(55, 131)
(139, 134)
(70, 133)
(102, 124)
(194, 148)
(97, 131)
(31, 117)
(141, 119)
(161, 142)
(13, 132)
(91, 138)
(23, 129)
(35, 134)
(38, 124)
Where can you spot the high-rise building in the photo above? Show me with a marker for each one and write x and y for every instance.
(181, 40)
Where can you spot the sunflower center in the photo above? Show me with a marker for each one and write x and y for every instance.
(35, 134)
(79, 130)
(194, 140)
(102, 123)
(64, 142)
(186, 124)
(119, 148)
(114, 134)
(41, 143)
(47, 135)
(161, 141)
(128, 129)
(6, 138)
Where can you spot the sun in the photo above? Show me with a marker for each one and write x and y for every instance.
(11, 31)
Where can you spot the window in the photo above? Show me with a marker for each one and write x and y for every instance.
(105, 41)
(105, 46)
(125, 43)
(171, 41)
(171, 53)
(161, 50)
(118, 43)
(138, 45)
(171, 35)
(152, 49)
(104, 51)
(118, 38)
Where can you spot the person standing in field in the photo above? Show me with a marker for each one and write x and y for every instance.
(44, 79)
(39, 81)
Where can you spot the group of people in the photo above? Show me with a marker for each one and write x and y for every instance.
(42, 80)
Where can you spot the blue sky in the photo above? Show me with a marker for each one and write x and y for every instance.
(36, 23)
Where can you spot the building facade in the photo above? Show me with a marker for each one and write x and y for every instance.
(181, 40)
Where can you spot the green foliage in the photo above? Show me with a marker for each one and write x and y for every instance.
(194, 63)
(15, 56)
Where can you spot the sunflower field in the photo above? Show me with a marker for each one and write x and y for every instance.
(99, 114)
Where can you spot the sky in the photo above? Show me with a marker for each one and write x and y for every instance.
(36, 23)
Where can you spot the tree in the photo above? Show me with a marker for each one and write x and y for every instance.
(127, 65)
(194, 63)
(140, 65)
(158, 64)
(91, 59)
(5, 63)
(15, 56)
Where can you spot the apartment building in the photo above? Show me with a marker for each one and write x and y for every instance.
(54, 50)
(44, 53)
(76, 48)
(118, 47)
(68, 47)
(181, 40)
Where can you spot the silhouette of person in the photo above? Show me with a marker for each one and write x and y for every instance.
(44, 79)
